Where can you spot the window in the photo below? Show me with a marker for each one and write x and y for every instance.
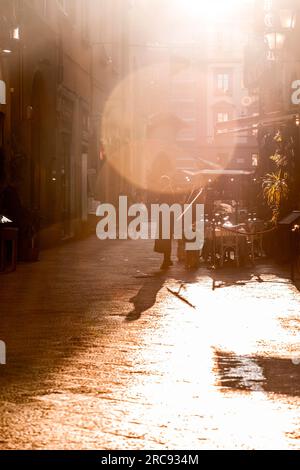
(268, 5)
(222, 116)
(254, 159)
(85, 121)
(223, 81)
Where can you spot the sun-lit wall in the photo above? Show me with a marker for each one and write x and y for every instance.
(176, 50)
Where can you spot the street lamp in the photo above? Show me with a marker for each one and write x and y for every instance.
(9, 41)
(287, 19)
(15, 33)
(275, 40)
(277, 34)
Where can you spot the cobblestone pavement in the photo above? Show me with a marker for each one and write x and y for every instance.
(101, 355)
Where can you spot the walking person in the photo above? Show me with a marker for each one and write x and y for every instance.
(164, 245)
(21, 218)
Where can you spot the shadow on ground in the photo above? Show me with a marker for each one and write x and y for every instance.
(257, 373)
(146, 297)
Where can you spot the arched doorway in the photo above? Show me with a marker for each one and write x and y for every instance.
(2, 118)
(2, 152)
(39, 150)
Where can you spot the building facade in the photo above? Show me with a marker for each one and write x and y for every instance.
(190, 72)
(272, 72)
(57, 75)
(109, 26)
(227, 95)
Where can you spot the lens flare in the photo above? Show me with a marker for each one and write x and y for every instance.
(214, 10)
(142, 135)
(146, 147)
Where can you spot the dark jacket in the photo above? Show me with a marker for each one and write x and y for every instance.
(164, 245)
(10, 205)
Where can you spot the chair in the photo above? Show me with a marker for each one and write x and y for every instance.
(8, 249)
(229, 243)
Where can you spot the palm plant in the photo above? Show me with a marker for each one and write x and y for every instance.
(278, 185)
(276, 191)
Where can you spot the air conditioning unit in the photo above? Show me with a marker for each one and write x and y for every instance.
(247, 101)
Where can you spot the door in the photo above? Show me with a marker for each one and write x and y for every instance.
(66, 185)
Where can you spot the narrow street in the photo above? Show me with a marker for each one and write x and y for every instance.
(100, 355)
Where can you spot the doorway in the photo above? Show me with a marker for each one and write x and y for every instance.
(66, 212)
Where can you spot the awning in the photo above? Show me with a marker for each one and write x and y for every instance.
(252, 122)
(220, 172)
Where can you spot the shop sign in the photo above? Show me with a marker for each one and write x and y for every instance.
(2, 92)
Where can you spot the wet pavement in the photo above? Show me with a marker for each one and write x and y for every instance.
(102, 355)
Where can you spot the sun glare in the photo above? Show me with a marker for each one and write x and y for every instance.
(213, 10)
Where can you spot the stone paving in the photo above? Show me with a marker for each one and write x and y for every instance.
(101, 355)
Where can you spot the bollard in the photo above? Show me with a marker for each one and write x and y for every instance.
(295, 249)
